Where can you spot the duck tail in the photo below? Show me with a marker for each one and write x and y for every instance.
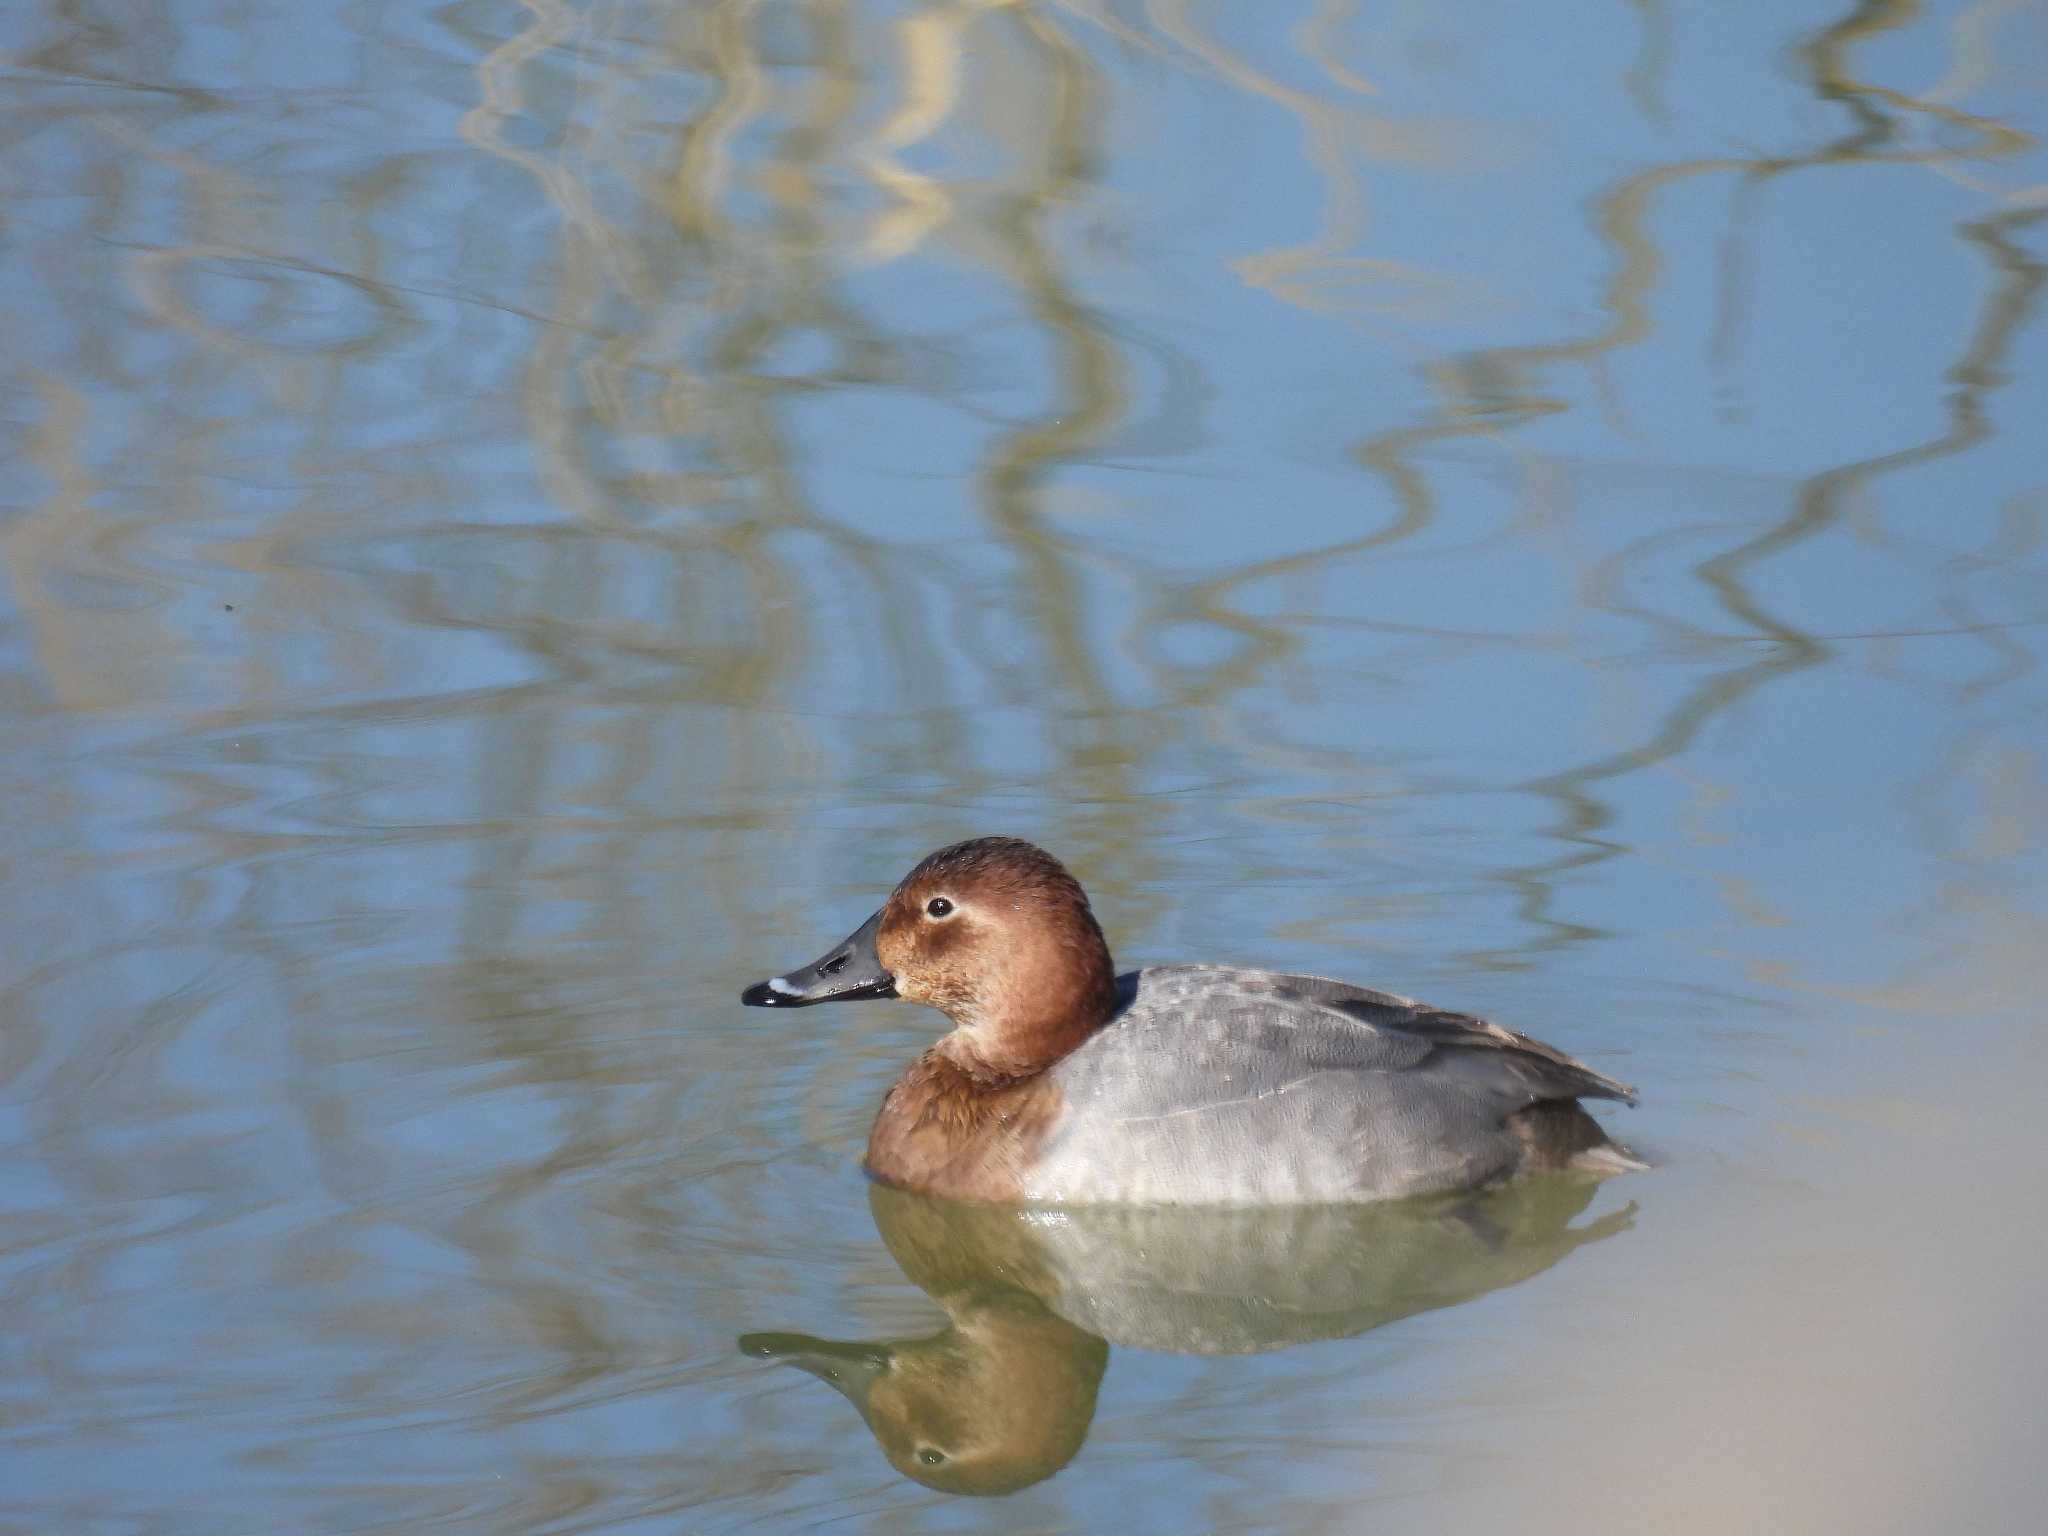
(1558, 1133)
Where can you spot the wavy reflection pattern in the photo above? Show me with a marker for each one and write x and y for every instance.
(509, 505)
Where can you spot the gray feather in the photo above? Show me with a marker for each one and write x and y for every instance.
(1222, 1086)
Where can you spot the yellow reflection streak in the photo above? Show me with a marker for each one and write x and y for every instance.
(1501, 394)
(1309, 274)
(69, 645)
(1090, 400)
(1972, 50)
(703, 169)
(928, 43)
(1318, 36)
(2017, 280)
(1827, 59)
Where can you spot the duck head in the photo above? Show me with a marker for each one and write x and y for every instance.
(1000, 1399)
(995, 934)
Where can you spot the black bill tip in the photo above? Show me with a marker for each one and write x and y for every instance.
(776, 992)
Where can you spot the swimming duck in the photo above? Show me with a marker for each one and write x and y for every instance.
(1064, 1083)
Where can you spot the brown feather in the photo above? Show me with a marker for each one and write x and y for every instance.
(948, 1131)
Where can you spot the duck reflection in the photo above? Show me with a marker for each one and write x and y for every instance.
(1003, 1395)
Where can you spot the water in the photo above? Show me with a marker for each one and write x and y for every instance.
(521, 519)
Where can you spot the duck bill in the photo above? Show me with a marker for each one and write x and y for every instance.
(848, 971)
(848, 1369)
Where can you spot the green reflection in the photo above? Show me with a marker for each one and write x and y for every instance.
(1003, 1395)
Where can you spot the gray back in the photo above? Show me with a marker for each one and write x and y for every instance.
(1224, 1086)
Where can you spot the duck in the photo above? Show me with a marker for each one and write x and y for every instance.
(1064, 1083)
(1004, 1393)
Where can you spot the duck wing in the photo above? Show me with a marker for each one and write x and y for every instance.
(1541, 1067)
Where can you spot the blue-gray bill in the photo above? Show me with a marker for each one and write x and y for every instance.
(844, 973)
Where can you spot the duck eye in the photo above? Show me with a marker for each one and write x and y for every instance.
(938, 906)
(930, 1457)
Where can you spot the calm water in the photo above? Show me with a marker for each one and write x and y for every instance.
(518, 519)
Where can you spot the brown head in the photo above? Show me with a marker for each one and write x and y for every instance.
(1001, 1399)
(995, 934)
